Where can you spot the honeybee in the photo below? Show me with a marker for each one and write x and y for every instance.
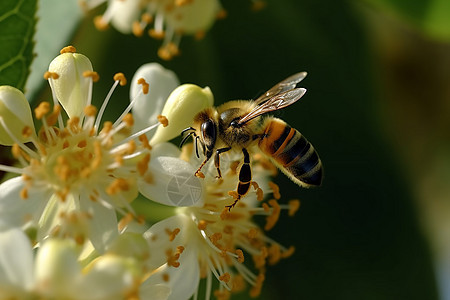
(240, 125)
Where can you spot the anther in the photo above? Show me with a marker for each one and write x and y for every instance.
(144, 84)
(172, 234)
(273, 218)
(121, 78)
(68, 49)
(137, 29)
(53, 118)
(156, 34)
(294, 205)
(225, 277)
(201, 225)
(142, 165)
(275, 190)
(42, 109)
(240, 255)
(100, 23)
(90, 111)
(128, 120)
(163, 120)
(144, 141)
(222, 14)
(52, 75)
(94, 75)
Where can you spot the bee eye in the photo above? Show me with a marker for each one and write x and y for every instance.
(208, 132)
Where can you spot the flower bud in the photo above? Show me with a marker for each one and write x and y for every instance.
(16, 114)
(182, 105)
(71, 88)
(196, 16)
(124, 14)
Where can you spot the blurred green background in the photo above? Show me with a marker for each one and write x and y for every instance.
(377, 110)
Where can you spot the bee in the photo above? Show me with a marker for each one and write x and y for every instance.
(242, 126)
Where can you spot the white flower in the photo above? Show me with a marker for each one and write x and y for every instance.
(75, 177)
(208, 241)
(57, 272)
(170, 18)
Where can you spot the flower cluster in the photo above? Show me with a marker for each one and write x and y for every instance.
(165, 20)
(68, 227)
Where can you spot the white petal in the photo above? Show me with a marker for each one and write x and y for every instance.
(16, 259)
(154, 291)
(102, 226)
(173, 183)
(147, 107)
(165, 149)
(183, 281)
(158, 238)
(124, 13)
(16, 112)
(15, 211)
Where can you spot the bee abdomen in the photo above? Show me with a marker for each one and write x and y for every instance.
(292, 152)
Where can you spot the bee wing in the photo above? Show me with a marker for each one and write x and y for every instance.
(275, 103)
(281, 87)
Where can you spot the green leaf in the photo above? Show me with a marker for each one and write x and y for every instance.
(17, 23)
(431, 16)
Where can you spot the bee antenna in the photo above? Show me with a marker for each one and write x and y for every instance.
(187, 129)
(186, 137)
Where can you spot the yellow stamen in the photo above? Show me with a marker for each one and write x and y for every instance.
(137, 29)
(100, 23)
(119, 184)
(128, 120)
(275, 190)
(202, 225)
(90, 111)
(158, 35)
(273, 218)
(225, 277)
(163, 120)
(240, 255)
(222, 294)
(144, 84)
(68, 49)
(142, 165)
(42, 109)
(52, 75)
(94, 75)
(294, 205)
(144, 141)
(24, 193)
(256, 289)
(172, 234)
(222, 14)
(121, 78)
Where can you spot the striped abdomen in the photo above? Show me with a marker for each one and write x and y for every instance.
(291, 152)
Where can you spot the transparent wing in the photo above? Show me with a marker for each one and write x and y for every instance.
(281, 87)
(275, 103)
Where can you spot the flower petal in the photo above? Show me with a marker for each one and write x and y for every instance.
(124, 14)
(15, 211)
(172, 182)
(148, 106)
(16, 259)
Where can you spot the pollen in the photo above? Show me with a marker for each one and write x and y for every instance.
(118, 185)
(68, 49)
(222, 294)
(137, 29)
(24, 193)
(172, 259)
(121, 78)
(156, 34)
(163, 120)
(165, 277)
(129, 120)
(100, 23)
(202, 225)
(256, 289)
(273, 218)
(142, 165)
(90, 111)
(51, 120)
(240, 255)
(172, 234)
(294, 205)
(225, 277)
(222, 14)
(145, 85)
(94, 75)
(52, 75)
(144, 141)
(199, 174)
(42, 109)
(275, 190)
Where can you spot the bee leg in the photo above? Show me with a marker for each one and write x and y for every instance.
(217, 159)
(208, 155)
(245, 179)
